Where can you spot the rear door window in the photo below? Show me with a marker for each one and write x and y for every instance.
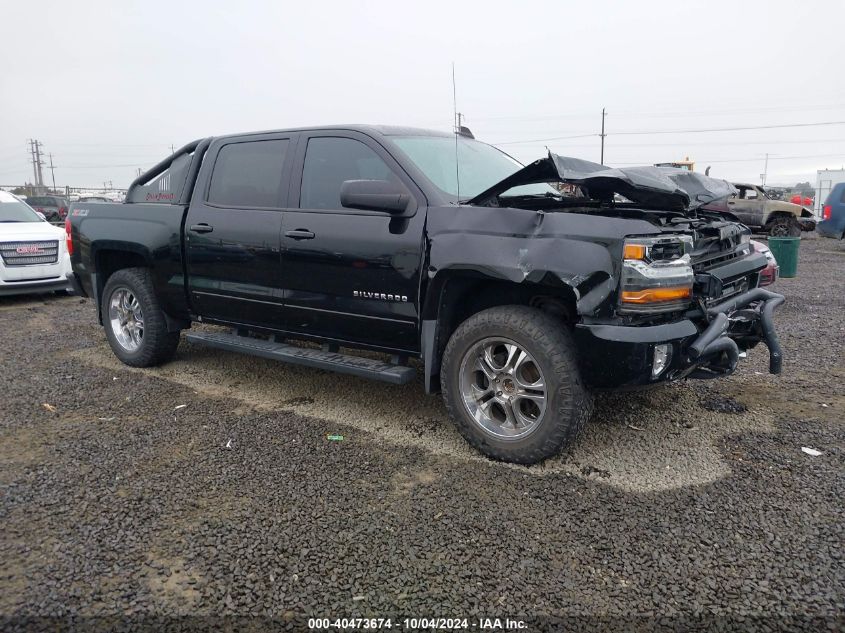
(249, 174)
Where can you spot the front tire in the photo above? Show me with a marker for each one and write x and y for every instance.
(134, 322)
(511, 384)
(783, 226)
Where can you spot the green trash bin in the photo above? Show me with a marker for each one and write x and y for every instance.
(785, 250)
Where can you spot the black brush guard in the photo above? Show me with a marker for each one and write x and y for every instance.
(752, 312)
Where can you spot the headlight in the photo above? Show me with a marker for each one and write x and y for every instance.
(656, 274)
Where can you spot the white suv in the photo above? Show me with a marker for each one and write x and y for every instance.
(33, 252)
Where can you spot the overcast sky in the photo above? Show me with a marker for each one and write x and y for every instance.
(108, 86)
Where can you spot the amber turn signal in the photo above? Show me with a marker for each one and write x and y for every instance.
(656, 295)
(634, 251)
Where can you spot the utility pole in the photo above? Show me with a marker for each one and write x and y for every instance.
(32, 160)
(603, 114)
(172, 149)
(52, 172)
(37, 163)
(765, 173)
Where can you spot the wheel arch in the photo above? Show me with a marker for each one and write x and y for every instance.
(112, 257)
(455, 295)
(107, 260)
(774, 215)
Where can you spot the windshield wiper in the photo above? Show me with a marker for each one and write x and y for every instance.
(15, 221)
(526, 196)
(544, 195)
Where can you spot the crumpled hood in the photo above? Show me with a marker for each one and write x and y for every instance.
(653, 187)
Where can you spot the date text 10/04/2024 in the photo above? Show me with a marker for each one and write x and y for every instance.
(416, 624)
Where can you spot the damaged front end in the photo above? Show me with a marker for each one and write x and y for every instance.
(663, 289)
(702, 318)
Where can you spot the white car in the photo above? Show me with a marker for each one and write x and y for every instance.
(33, 252)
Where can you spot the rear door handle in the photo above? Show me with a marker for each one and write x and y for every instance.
(300, 234)
(202, 228)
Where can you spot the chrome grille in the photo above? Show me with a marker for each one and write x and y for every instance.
(29, 253)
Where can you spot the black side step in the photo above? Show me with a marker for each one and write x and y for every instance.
(319, 359)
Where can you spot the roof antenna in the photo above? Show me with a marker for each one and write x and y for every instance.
(457, 123)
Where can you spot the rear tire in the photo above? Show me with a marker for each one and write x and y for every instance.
(511, 384)
(134, 322)
(783, 226)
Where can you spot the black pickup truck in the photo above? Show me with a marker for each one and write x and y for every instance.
(521, 289)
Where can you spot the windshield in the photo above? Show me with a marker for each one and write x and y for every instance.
(481, 165)
(13, 210)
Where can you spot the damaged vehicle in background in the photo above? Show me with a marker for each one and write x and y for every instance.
(778, 218)
(519, 301)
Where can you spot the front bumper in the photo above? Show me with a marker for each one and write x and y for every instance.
(32, 279)
(807, 224)
(26, 287)
(618, 356)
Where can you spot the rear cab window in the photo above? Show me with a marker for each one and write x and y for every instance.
(166, 188)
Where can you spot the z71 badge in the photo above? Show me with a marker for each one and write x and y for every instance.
(360, 294)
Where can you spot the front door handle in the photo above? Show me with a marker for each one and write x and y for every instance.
(300, 234)
(202, 228)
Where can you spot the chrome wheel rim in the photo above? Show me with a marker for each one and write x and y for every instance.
(126, 319)
(503, 388)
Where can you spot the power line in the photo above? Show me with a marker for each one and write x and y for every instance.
(160, 145)
(102, 166)
(685, 144)
(544, 140)
(666, 113)
(733, 129)
(689, 131)
(731, 111)
(751, 160)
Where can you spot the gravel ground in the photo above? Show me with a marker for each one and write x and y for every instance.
(692, 503)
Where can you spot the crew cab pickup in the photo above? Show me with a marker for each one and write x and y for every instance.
(518, 301)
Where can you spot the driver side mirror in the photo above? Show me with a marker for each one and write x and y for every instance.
(374, 195)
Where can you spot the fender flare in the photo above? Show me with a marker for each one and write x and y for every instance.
(586, 296)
